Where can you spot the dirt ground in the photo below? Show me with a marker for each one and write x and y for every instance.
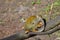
(11, 11)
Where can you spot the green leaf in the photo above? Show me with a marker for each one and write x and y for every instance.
(57, 3)
(38, 1)
(33, 2)
(47, 8)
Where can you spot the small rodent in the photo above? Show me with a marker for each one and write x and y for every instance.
(32, 23)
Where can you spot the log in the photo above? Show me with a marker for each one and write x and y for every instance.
(52, 23)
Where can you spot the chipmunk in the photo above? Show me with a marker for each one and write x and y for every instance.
(32, 24)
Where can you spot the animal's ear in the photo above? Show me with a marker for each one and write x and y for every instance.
(40, 16)
(22, 20)
(37, 16)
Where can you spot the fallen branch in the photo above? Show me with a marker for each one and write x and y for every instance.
(47, 32)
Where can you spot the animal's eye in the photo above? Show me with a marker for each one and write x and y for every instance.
(24, 18)
(33, 22)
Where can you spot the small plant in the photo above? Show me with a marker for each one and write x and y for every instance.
(50, 7)
(57, 3)
(38, 2)
(47, 8)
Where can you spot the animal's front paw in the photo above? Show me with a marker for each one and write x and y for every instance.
(34, 30)
(39, 24)
(27, 31)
